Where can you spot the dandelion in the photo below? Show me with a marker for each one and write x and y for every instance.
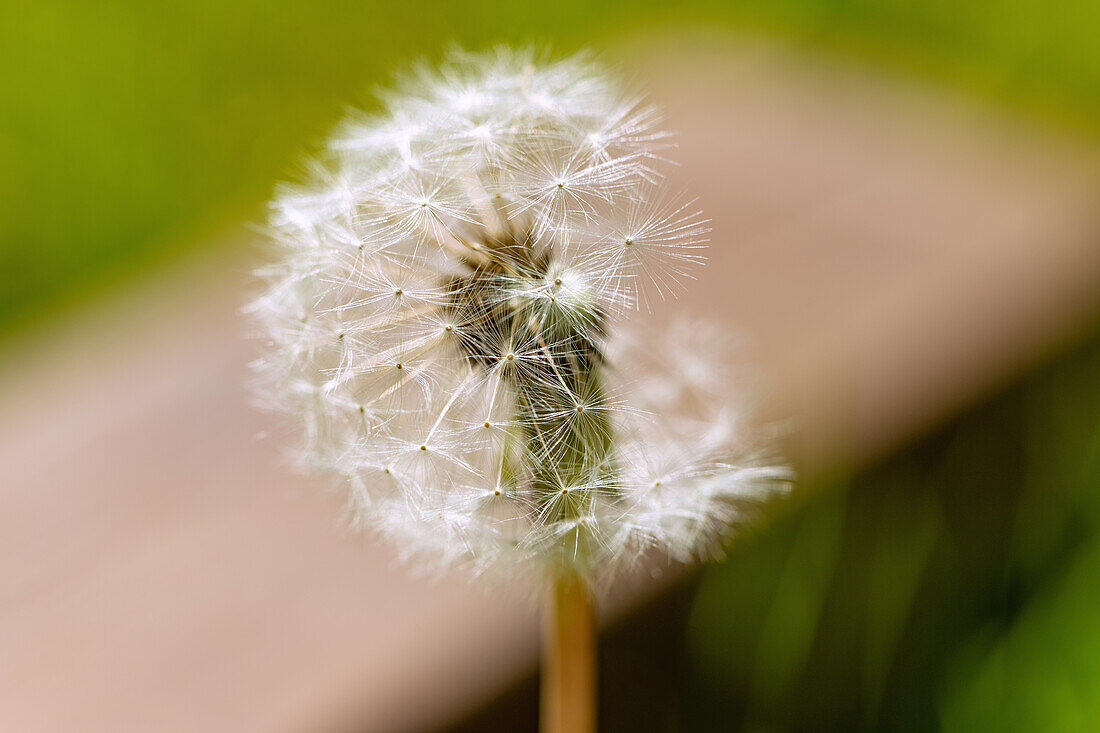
(448, 321)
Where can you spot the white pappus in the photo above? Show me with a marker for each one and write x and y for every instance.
(447, 320)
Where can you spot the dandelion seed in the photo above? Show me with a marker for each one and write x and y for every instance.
(447, 320)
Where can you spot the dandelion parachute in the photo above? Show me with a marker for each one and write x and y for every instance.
(448, 321)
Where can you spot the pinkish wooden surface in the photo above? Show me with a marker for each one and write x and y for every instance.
(890, 257)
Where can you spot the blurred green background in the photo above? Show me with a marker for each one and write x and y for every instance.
(132, 130)
(955, 587)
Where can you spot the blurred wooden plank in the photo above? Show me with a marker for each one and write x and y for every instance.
(890, 256)
(889, 252)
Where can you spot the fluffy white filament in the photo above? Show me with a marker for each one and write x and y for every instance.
(446, 321)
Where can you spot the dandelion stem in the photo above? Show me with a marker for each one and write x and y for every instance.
(569, 657)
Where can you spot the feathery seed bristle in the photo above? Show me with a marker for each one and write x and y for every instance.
(446, 322)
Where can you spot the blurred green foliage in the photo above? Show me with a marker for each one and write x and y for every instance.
(129, 129)
(955, 587)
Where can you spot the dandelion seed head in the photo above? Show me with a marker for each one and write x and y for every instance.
(448, 320)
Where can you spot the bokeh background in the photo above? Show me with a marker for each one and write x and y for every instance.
(938, 567)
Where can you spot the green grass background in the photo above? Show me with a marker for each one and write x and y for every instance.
(954, 587)
(131, 129)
